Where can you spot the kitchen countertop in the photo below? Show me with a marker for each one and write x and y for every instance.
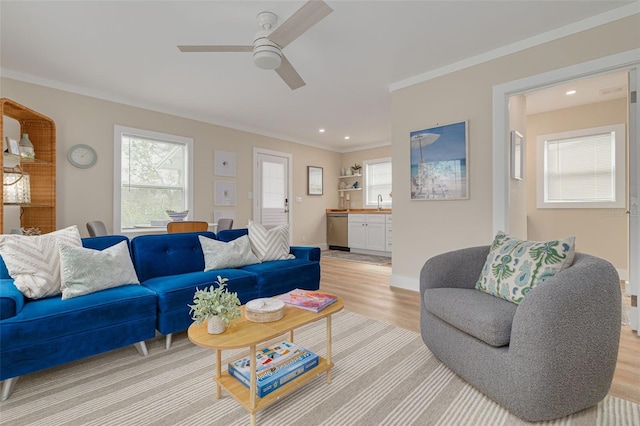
(360, 211)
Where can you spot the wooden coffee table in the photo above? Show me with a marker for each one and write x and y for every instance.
(243, 333)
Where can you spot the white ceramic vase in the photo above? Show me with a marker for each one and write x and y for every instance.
(215, 325)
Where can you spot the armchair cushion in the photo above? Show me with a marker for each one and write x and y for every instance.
(513, 266)
(479, 314)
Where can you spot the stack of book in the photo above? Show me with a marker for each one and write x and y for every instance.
(275, 365)
(314, 301)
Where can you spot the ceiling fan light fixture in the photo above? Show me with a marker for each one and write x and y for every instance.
(266, 54)
(267, 59)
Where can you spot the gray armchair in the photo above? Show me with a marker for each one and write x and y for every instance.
(550, 356)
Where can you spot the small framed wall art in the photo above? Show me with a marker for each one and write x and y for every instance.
(225, 163)
(517, 155)
(314, 180)
(12, 146)
(225, 193)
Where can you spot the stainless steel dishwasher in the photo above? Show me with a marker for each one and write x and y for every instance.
(338, 231)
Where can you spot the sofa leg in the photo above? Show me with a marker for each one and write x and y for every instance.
(167, 343)
(141, 347)
(7, 387)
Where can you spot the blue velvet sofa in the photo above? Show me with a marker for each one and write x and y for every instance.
(43, 333)
(172, 266)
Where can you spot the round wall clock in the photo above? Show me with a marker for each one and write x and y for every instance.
(82, 156)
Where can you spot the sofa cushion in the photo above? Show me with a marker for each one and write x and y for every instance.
(52, 318)
(234, 254)
(34, 261)
(167, 254)
(514, 267)
(280, 276)
(476, 313)
(269, 244)
(175, 293)
(86, 270)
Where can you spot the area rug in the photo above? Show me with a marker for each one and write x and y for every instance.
(383, 375)
(357, 257)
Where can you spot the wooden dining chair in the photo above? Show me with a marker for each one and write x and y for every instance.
(187, 226)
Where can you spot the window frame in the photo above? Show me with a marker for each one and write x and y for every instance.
(365, 186)
(619, 165)
(117, 169)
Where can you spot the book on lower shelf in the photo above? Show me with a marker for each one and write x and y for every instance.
(310, 300)
(276, 365)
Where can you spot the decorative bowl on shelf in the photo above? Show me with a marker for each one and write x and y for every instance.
(177, 216)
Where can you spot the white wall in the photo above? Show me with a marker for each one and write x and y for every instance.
(87, 194)
(600, 232)
(423, 229)
(518, 188)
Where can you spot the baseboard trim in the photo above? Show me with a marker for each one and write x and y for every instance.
(623, 274)
(406, 283)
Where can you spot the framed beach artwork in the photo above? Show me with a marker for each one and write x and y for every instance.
(439, 167)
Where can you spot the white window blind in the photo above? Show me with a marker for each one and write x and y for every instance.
(378, 180)
(153, 174)
(582, 169)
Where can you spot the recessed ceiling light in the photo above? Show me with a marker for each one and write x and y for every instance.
(321, 130)
(571, 92)
(347, 138)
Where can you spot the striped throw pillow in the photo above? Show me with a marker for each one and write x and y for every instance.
(34, 262)
(269, 244)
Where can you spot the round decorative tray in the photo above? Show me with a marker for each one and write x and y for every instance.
(264, 310)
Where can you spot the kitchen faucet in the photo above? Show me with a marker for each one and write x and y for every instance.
(379, 201)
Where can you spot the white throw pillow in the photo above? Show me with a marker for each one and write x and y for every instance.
(34, 262)
(220, 255)
(86, 270)
(269, 244)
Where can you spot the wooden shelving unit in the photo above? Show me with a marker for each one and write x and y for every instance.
(41, 212)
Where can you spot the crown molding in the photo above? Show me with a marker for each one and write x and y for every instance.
(576, 27)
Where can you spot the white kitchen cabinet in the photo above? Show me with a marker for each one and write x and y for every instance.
(357, 231)
(367, 232)
(389, 232)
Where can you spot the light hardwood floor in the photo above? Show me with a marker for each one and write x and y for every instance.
(366, 291)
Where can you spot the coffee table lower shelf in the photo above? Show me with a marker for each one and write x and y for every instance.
(241, 393)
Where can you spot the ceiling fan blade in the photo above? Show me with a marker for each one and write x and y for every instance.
(289, 74)
(187, 49)
(306, 17)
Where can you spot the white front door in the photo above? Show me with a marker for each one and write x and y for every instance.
(271, 187)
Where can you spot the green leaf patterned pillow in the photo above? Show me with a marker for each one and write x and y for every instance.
(515, 266)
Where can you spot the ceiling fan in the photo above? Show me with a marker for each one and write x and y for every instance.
(268, 44)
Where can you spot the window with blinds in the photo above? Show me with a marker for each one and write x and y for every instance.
(582, 169)
(153, 174)
(377, 181)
